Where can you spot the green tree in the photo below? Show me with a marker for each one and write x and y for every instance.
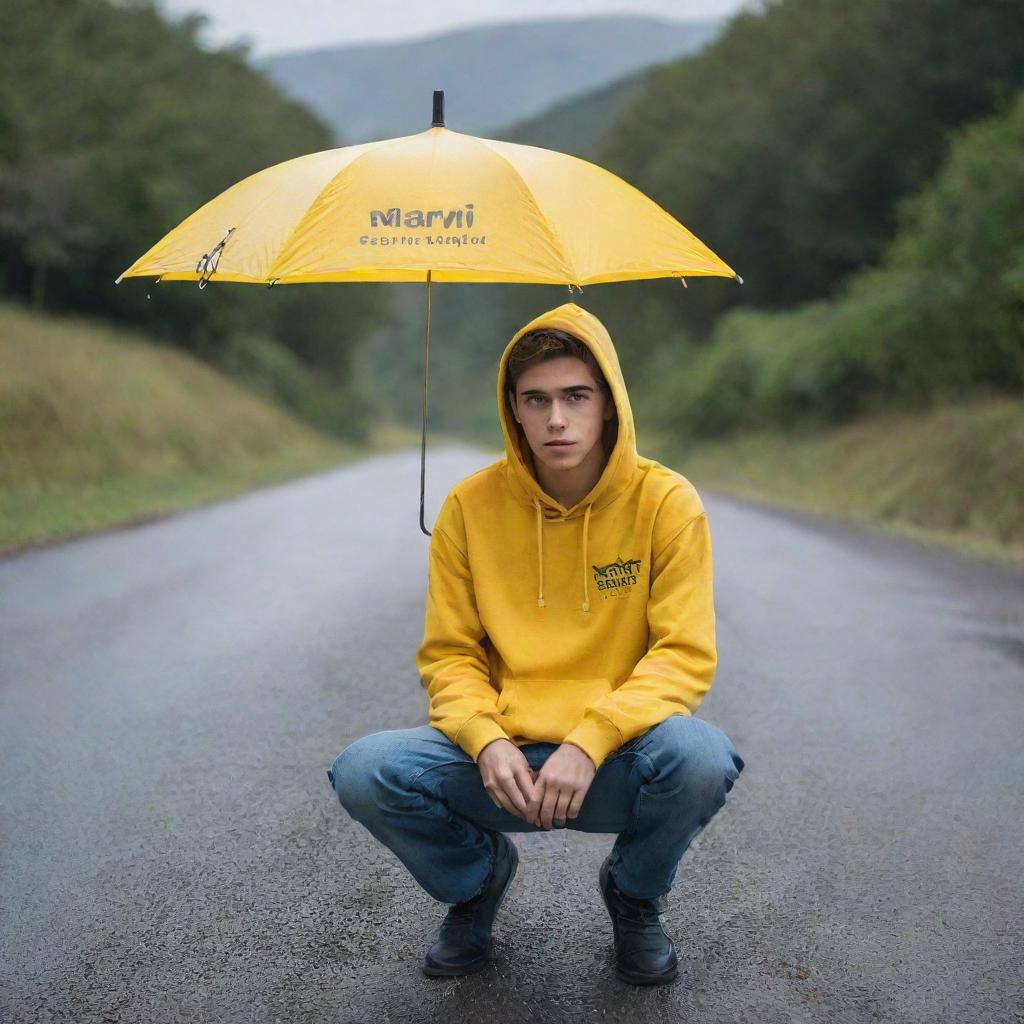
(116, 125)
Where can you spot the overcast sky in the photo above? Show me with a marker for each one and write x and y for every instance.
(273, 26)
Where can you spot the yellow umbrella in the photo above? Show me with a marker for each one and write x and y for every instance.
(436, 206)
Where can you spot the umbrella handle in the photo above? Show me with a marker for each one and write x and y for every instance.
(423, 443)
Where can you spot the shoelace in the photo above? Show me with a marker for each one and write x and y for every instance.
(640, 919)
(645, 927)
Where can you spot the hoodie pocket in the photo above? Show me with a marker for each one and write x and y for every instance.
(547, 710)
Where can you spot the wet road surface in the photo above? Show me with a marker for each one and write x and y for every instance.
(170, 849)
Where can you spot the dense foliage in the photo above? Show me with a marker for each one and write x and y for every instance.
(787, 145)
(940, 318)
(114, 126)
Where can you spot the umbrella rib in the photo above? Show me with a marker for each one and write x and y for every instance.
(250, 215)
(570, 270)
(283, 247)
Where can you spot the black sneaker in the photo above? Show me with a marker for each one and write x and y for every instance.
(644, 954)
(464, 940)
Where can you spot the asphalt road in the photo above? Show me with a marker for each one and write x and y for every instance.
(170, 849)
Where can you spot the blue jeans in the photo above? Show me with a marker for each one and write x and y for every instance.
(423, 797)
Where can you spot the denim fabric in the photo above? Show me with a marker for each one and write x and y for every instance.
(423, 797)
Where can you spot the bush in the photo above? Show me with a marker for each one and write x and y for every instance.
(940, 319)
(269, 368)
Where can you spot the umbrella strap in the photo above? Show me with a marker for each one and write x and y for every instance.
(423, 443)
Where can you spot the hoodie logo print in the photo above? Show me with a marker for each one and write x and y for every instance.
(617, 577)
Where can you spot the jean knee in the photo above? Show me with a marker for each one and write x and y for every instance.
(717, 767)
(696, 757)
(352, 777)
(374, 774)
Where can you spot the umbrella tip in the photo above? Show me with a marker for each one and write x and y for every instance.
(738, 278)
(438, 121)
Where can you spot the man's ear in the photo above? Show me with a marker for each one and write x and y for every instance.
(512, 406)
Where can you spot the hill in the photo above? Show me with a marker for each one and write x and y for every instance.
(492, 76)
(102, 426)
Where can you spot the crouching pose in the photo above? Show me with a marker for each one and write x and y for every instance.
(569, 637)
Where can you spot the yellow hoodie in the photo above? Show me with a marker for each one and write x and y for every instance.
(585, 625)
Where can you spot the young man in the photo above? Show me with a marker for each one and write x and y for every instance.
(569, 637)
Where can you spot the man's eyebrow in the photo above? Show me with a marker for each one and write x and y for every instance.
(571, 387)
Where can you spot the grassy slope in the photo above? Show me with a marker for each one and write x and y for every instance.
(101, 427)
(953, 475)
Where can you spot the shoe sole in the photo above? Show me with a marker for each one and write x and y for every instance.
(621, 972)
(647, 979)
(432, 970)
(428, 968)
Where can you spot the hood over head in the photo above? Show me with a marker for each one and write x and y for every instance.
(622, 461)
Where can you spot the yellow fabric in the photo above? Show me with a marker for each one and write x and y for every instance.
(512, 647)
(463, 207)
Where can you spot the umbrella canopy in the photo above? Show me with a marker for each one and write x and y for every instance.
(436, 206)
(462, 207)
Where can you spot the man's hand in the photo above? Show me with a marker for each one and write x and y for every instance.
(506, 776)
(561, 786)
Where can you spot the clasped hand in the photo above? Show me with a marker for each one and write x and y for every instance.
(553, 794)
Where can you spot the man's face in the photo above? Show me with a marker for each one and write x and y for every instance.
(559, 400)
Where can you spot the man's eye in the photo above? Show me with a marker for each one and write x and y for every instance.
(572, 394)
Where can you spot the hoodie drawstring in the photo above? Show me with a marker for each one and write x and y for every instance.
(540, 556)
(586, 597)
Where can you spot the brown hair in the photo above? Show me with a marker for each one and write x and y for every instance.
(549, 343)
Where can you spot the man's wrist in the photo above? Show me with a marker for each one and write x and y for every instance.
(596, 736)
(477, 732)
(581, 750)
(490, 743)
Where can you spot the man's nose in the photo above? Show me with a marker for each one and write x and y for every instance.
(557, 415)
